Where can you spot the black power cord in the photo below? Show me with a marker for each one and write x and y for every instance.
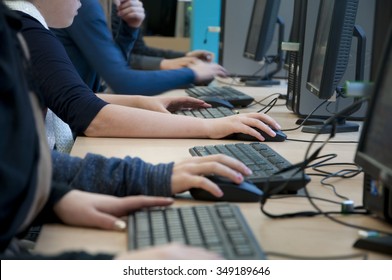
(305, 164)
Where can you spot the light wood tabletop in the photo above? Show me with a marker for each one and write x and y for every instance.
(308, 237)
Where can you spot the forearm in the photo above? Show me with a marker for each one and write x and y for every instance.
(114, 176)
(144, 62)
(120, 121)
(157, 52)
(121, 99)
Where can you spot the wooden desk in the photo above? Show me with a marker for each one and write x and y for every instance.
(308, 237)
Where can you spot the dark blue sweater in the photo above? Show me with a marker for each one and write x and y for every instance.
(90, 45)
(63, 91)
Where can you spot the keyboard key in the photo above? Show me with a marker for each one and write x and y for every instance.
(264, 163)
(219, 227)
(235, 97)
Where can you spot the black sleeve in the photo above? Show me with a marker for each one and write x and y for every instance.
(75, 255)
(47, 215)
(64, 92)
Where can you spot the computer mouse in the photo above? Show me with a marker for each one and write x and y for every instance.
(217, 102)
(279, 137)
(232, 192)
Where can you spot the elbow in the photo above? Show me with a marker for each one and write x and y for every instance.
(94, 130)
(99, 126)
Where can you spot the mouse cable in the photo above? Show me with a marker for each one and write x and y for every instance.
(307, 117)
(283, 196)
(344, 173)
(332, 121)
(342, 211)
(311, 141)
(269, 106)
(298, 167)
(332, 218)
(327, 157)
(305, 164)
(260, 102)
(309, 158)
(297, 257)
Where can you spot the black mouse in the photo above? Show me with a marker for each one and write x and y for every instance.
(279, 137)
(217, 102)
(232, 192)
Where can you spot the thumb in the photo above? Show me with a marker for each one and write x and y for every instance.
(117, 2)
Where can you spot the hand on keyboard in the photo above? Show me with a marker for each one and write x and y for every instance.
(191, 173)
(79, 208)
(205, 72)
(169, 104)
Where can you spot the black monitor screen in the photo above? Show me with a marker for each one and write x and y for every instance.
(261, 28)
(375, 148)
(321, 44)
(331, 46)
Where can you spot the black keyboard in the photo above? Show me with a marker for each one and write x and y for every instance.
(263, 161)
(219, 227)
(235, 97)
(207, 113)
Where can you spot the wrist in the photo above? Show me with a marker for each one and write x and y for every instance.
(164, 64)
(138, 101)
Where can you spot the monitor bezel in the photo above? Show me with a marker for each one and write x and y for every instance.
(266, 32)
(338, 46)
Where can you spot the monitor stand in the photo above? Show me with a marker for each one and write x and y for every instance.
(337, 123)
(311, 121)
(261, 83)
(324, 129)
(266, 80)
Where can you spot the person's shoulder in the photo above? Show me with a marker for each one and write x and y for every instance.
(28, 21)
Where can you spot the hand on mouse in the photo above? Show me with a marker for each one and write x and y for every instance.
(191, 173)
(242, 123)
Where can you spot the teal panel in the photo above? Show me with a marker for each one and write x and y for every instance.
(205, 21)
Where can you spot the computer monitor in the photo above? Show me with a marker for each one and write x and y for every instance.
(294, 53)
(261, 30)
(330, 56)
(373, 152)
(382, 19)
(299, 99)
(331, 46)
